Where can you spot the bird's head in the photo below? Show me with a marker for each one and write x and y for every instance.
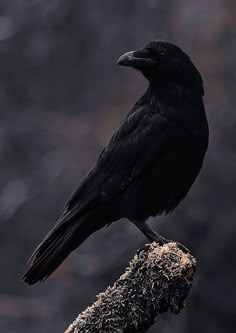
(163, 62)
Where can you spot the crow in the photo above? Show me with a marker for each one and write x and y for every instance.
(149, 164)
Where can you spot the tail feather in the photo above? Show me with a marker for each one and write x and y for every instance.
(56, 246)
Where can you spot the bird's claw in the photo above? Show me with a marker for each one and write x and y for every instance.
(183, 248)
(163, 241)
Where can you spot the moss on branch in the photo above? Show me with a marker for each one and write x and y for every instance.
(157, 280)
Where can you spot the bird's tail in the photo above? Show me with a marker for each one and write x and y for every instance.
(56, 246)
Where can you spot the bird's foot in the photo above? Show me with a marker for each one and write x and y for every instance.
(152, 236)
(161, 241)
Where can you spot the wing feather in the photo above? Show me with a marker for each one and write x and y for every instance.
(130, 150)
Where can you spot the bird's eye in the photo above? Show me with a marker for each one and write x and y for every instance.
(162, 53)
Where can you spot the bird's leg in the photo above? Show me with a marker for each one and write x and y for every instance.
(153, 236)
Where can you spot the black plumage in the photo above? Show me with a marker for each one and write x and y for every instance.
(149, 164)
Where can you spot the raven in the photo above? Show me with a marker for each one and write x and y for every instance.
(149, 164)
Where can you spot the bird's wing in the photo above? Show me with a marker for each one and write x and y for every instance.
(141, 137)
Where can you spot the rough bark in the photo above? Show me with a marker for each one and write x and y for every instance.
(157, 280)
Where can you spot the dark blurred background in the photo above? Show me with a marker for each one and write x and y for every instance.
(61, 97)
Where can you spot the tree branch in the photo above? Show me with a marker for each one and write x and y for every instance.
(157, 280)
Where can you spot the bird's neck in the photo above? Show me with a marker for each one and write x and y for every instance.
(171, 95)
(174, 92)
(174, 102)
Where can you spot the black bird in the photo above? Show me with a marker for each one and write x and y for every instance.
(149, 164)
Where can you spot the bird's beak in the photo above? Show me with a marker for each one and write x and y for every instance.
(137, 59)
